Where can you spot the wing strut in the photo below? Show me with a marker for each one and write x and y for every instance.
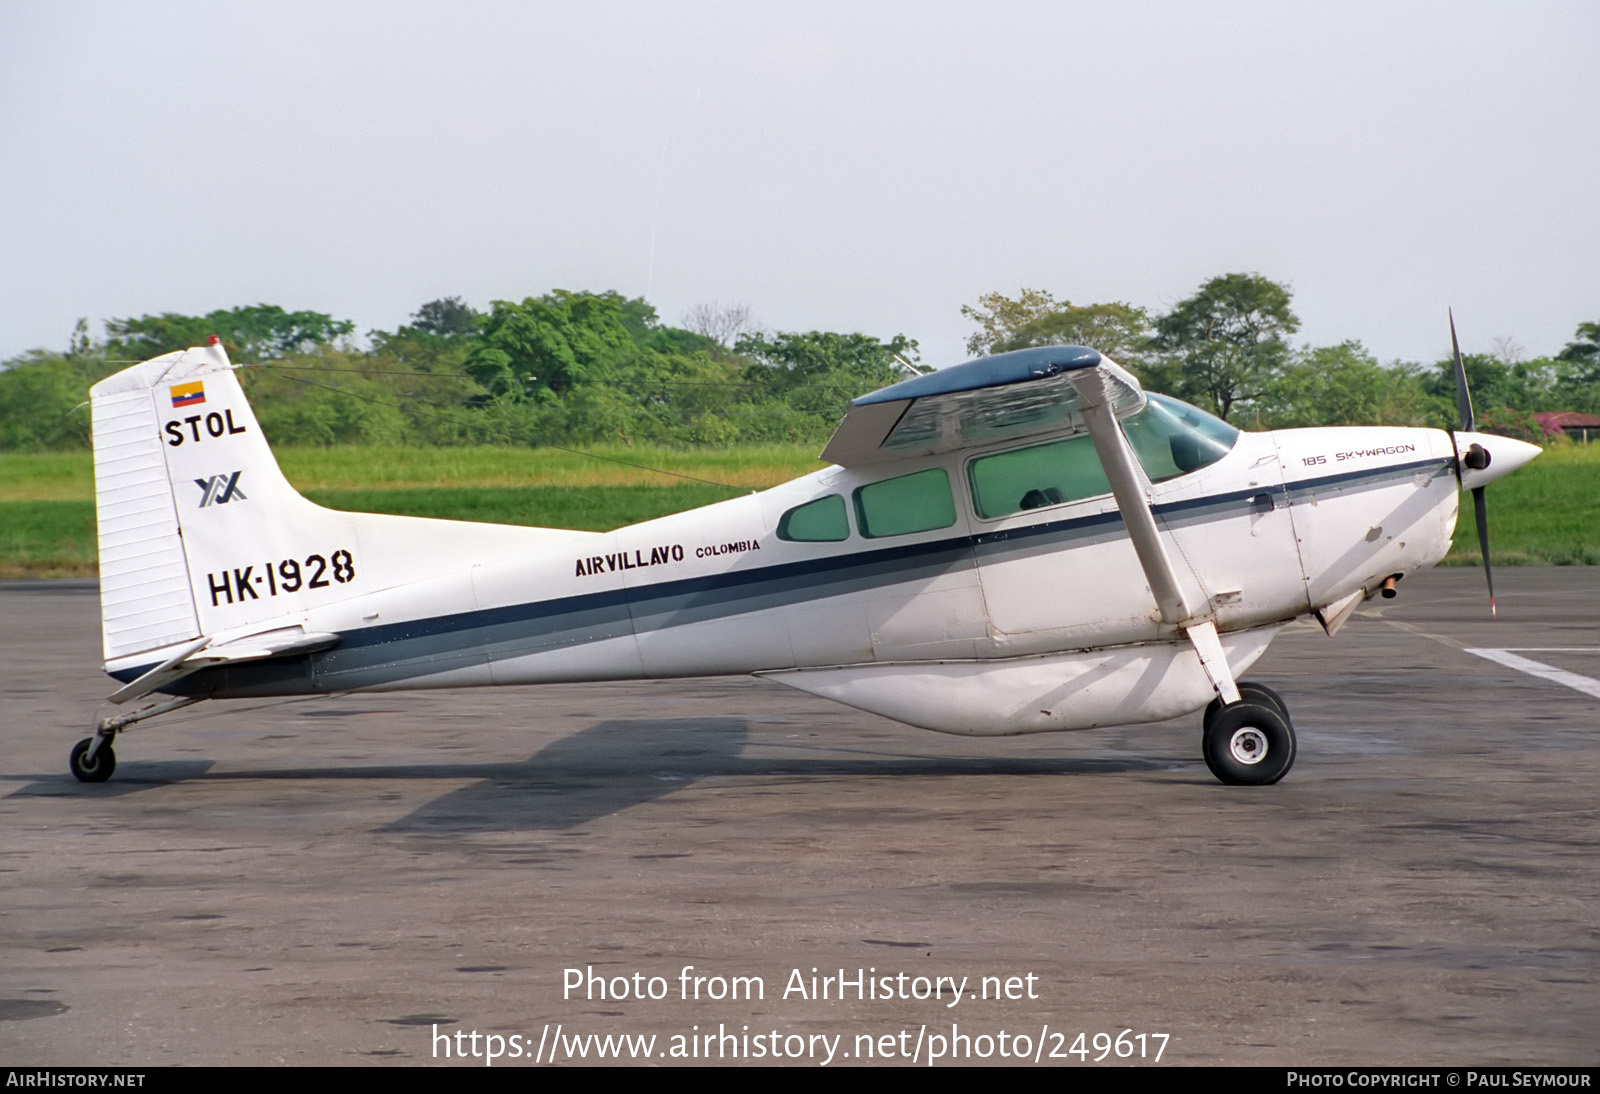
(1128, 487)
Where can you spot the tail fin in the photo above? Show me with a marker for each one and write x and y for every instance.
(146, 601)
(201, 536)
(200, 533)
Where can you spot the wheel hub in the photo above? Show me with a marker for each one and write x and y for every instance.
(1248, 745)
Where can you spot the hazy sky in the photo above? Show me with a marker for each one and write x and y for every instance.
(839, 166)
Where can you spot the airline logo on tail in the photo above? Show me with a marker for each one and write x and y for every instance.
(220, 489)
(188, 394)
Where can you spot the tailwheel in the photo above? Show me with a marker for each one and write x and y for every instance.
(1248, 743)
(95, 770)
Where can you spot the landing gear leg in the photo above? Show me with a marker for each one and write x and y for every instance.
(1248, 740)
(92, 759)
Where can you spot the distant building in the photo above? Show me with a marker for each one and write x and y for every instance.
(1582, 428)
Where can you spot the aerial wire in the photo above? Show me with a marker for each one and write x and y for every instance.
(655, 214)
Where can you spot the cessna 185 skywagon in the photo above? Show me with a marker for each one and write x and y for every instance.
(1017, 544)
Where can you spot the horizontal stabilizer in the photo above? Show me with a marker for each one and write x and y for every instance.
(202, 654)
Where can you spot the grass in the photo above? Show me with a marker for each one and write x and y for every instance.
(359, 468)
(46, 476)
(1548, 513)
(47, 538)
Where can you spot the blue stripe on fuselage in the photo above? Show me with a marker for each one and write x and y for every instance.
(520, 629)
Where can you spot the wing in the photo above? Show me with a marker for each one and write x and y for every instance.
(1010, 396)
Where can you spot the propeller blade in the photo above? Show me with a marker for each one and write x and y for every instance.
(1475, 457)
(1480, 510)
(1463, 398)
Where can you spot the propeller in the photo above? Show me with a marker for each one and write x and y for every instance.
(1475, 458)
(1463, 396)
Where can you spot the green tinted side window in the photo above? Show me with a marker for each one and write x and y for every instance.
(1032, 478)
(911, 503)
(820, 521)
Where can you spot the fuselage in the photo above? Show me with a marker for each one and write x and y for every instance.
(850, 577)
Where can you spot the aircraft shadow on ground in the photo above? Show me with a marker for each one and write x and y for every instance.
(615, 765)
(609, 767)
(132, 777)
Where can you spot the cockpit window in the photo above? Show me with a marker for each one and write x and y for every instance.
(911, 503)
(820, 521)
(1168, 437)
(1032, 478)
(1171, 438)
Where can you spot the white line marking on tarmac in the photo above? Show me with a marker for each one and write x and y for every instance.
(1586, 684)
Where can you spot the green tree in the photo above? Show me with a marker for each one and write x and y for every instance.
(1498, 388)
(437, 340)
(1344, 385)
(1120, 331)
(42, 398)
(599, 366)
(257, 332)
(785, 361)
(323, 397)
(545, 346)
(1230, 340)
(803, 382)
(1576, 372)
(447, 318)
(1585, 345)
(1001, 318)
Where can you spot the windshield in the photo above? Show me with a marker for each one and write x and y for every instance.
(1172, 438)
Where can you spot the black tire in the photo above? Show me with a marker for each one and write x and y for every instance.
(1251, 692)
(99, 769)
(1249, 744)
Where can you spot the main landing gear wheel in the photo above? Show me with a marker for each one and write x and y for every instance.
(1249, 744)
(97, 770)
(1251, 692)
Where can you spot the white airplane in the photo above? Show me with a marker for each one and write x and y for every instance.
(1018, 544)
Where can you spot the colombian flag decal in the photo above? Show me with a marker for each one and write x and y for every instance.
(188, 394)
